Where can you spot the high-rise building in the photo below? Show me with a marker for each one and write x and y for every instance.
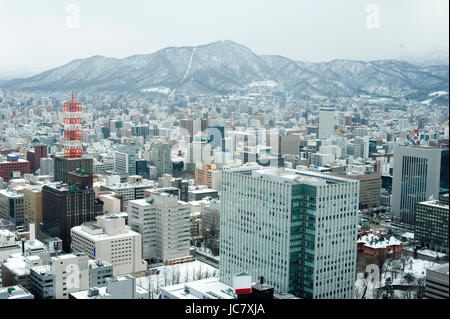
(13, 167)
(46, 166)
(191, 127)
(361, 147)
(437, 282)
(416, 179)
(140, 130)
(65, 206)
(34, 157)
(326, 122)
(160, 157)
(297, 229)
(62, 166)
(164, 223)
(431, 229)
(182, 185)
(11, 204)
(124, 163)
(32, 207)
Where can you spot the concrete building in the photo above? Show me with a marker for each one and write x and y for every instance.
(124, 163)
(65, 274)
(128, 191)
(99, 272)
(15, 292)
(161, 158)
(416, 179)
(297, 229)
(208, 175)
(47, 166)
(63, 207)
(32, 207)
(369, 189)
(436, 282)
(361, 147)
(182, 185)
(34, 156)
(13, 167)
(112, 203)
(120, 287)
(431, 223)
(63, 166)
(110, 240)
(163, 221)
(200, 192)
(326, 122)
(11, 204)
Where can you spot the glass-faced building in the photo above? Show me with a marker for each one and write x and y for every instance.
(297, 229)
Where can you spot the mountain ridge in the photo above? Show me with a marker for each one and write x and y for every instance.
(227, 66)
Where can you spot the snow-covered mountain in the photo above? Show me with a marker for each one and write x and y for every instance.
(224, 66)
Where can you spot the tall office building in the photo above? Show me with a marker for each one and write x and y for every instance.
(326, 122)
(192, 126)
(46, 166)
(34, 157)
(297, 229)
(63, 166)
(432, 224)
(124, 163)
(160, 157)
(65, 206)
(164, 223)
(32, 207)
(361, 147)
(416, 179)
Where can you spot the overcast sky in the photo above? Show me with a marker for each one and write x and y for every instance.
(38, 35)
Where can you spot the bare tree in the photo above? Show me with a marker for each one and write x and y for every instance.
(166, 276)
(175, 276)
(211, 231)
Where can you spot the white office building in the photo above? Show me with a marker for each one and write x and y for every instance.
(63, 275)
(297, 229)
(120, 287)
(164, 223)
(326, 122)
(416, 179)
(361, 149)
(110, 240)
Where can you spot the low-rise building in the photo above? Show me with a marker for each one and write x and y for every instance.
(110, 240)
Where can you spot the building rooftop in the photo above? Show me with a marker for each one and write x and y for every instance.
(210, 288)
(442, 269)
(15, 292)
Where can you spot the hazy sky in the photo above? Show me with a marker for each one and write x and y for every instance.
(38, 35)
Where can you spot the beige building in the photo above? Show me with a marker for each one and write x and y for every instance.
(110, 240)
(32, 207)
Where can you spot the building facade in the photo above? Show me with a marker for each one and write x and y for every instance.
(416, 179)
(295, 228)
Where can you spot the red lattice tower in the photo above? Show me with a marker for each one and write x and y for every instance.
(72, 129)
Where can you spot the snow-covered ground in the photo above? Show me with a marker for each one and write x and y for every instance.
(427, 252)
(161, 90)
(438, 93)
(176, 274)
(395, 271)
